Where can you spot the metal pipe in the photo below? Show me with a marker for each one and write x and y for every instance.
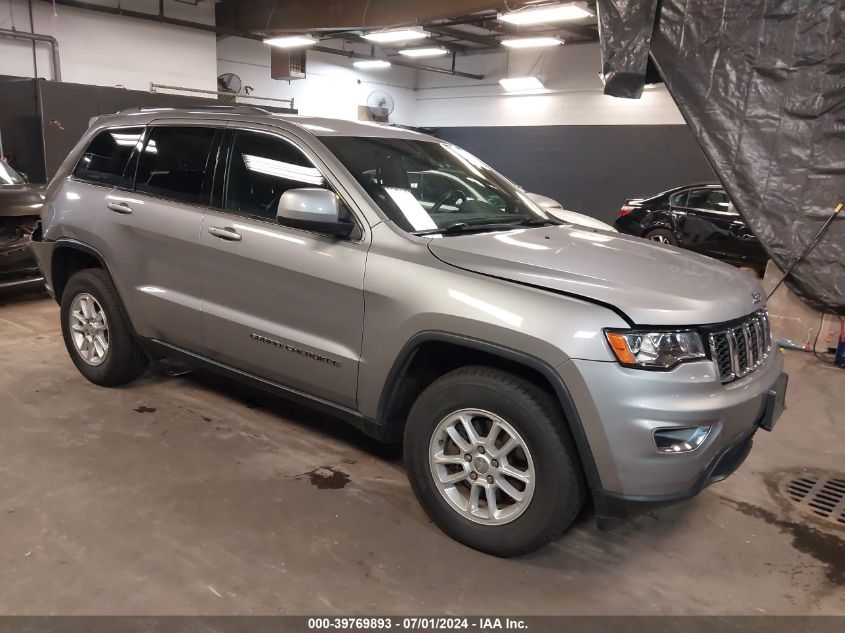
(396, 62)
(37, 37)
(154, 87)
(32, 30)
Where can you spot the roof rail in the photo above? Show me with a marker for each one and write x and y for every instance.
(233, 109)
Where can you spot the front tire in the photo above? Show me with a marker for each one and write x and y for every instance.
(491, 461)
(96, 331)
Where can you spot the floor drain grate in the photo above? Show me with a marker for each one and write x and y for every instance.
(818, 493)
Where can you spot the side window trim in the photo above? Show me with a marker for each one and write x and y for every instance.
(232, 129)
(128, 182)
(221, 169)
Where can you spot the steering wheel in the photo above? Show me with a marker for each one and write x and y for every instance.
(457, 193)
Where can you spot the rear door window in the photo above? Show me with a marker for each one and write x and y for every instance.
(699, 199)
(176, 164)
(104, 161)
(678, 199)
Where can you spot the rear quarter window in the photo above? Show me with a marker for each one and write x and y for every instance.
(105, 158)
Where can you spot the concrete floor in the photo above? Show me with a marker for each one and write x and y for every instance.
(186, 495)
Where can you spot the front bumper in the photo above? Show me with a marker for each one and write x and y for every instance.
(620, 408)
(611, 506)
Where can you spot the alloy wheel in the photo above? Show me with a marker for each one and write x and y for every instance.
(89, 329)
(482, 466)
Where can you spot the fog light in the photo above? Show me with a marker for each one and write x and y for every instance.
(680, 440)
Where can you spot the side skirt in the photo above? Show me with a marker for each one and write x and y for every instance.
(160, 349)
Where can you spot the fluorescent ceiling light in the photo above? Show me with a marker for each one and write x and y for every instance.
(544, 15)
(512, 84)
(371, 63)
(399, 35)
(532, 42)
(291, 41)
(423, 52)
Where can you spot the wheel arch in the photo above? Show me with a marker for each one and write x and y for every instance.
(70, 256)
(413, 370)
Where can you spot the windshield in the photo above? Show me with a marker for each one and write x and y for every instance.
(9, 176)
(424, 186)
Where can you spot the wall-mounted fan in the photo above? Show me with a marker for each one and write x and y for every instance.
(380, 105)
(229, 82)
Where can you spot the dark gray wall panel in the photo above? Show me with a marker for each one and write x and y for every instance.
(589, 168)
(20, 125)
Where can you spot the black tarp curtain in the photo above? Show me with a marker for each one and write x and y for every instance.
(762, 85)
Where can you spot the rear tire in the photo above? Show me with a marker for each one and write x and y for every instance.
(543, 458)
(97, 332)
(664, 236)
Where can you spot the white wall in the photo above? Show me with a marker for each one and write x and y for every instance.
(333, 87)
(572, 95)
(108, 50)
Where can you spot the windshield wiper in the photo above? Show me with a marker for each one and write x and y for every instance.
(466, 227)
(538, 222)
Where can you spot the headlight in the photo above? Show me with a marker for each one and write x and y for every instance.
(655, 350)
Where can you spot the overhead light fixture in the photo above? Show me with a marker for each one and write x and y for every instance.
(398, 35)
(371, 63)
(512, 84)
(531, 42)
(423, 52)
(291, 41)
(545, 15)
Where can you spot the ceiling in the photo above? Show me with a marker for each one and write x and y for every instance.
(462, 26)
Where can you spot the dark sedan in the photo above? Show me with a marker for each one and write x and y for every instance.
(700, 218)
(20, 209)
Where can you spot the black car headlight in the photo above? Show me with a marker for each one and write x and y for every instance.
(655, 349)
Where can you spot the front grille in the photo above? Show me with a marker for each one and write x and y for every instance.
(742, 346)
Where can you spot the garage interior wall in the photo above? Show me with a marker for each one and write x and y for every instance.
(110, 50)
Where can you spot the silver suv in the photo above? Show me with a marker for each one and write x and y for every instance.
(398, 282)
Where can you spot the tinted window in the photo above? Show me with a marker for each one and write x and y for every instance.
(708, 199)
(105, 159)
(261, 168)
(678, 199)
(175, 163)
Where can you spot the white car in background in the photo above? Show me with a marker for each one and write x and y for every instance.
(554, 208)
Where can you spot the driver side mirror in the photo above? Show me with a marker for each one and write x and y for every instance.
(314, 209)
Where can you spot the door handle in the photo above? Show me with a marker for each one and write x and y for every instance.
(225, 233)
(119, 207)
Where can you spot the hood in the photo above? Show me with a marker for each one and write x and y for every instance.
(21, 200)
(651, 283)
